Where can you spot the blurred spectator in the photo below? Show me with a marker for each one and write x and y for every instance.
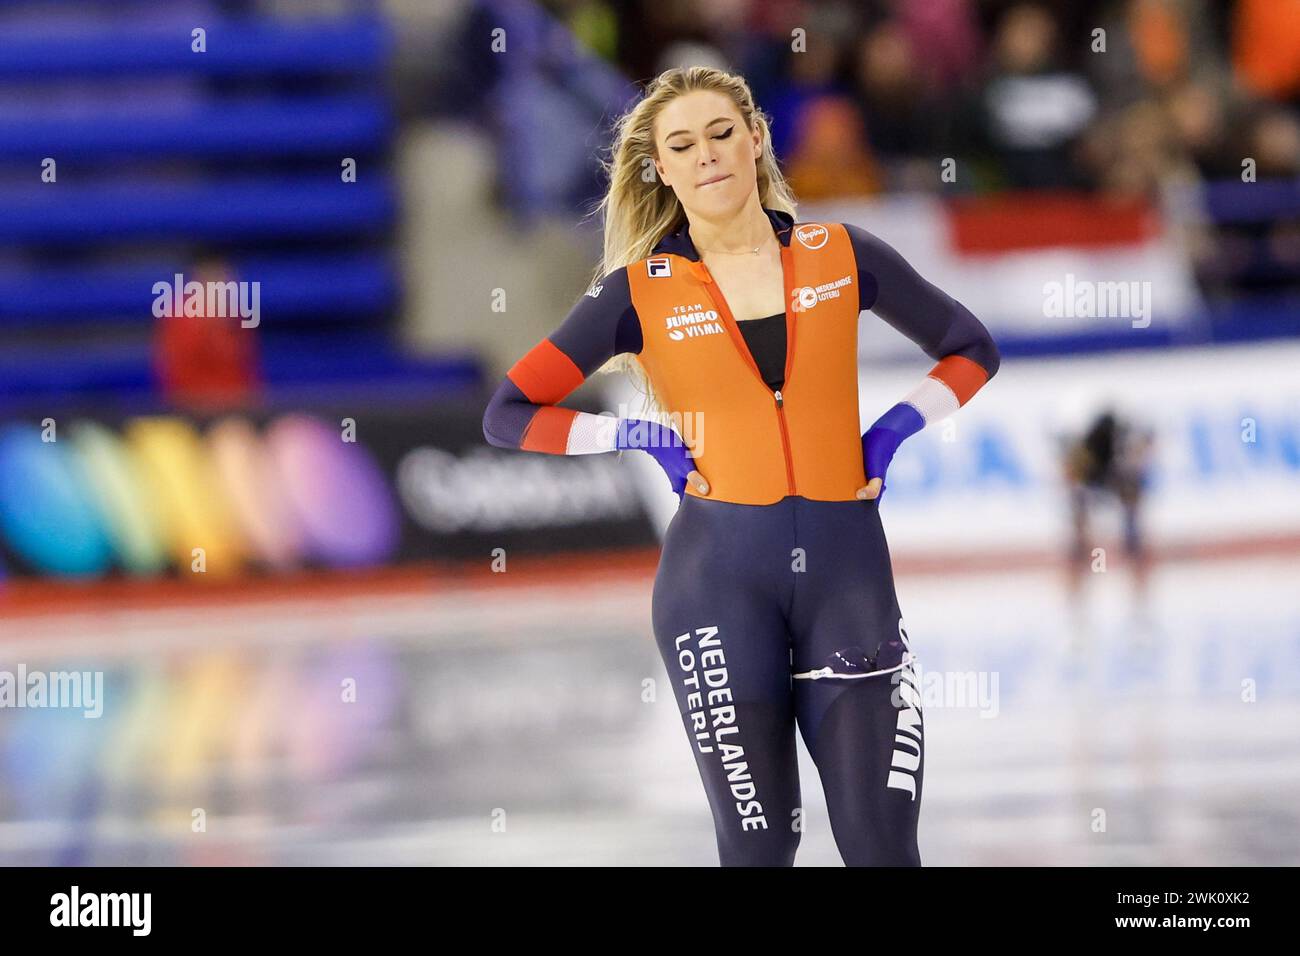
(1035, 110)
(892, 94)
(1275, 143)
(1198, 113)
(1160, 39)
(692, 53)
(813, 73)
(832, 157)
(648, 27)
(593, 23)
(202, 361)
(943, 38)
(1266, 47)
(1132, 150)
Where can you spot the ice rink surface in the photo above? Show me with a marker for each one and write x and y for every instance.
(509, 724)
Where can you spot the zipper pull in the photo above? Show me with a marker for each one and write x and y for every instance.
(780, 403)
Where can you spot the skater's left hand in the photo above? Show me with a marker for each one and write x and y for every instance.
(878, 447)
(881, 441)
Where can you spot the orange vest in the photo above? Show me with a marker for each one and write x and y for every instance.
(756, 446)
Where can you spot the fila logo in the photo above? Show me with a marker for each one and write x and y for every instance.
(659, 267)
(811, 235)
(594, 291)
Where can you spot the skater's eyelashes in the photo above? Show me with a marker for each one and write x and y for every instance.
(678, 149)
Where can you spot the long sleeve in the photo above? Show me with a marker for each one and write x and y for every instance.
(965, 353)
(524, 412)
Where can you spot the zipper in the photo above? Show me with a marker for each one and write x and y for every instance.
(785, 441)
(738, 340)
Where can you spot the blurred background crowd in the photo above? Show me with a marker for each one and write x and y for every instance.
(1116, 97)
(1104, 95)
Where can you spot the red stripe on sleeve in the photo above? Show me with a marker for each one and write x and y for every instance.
(548, 431)
(545, 375)
(960, 374)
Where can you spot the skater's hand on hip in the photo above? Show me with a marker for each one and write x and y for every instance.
(878, 447)
(667, 448)
(881, 441)
(872, 489)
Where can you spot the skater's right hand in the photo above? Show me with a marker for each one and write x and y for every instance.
(666, 447)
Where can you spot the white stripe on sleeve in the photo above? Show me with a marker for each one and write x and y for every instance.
(933, 399)
(590, 434)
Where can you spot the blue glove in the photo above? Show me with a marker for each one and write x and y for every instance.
(883, 438)
(661, 443)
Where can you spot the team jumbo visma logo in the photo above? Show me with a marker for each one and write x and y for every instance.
(692, 322)
(811, 235)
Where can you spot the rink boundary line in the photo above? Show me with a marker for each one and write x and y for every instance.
(35, 597)
(38, 597)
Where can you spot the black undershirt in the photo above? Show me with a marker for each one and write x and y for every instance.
(766, 341)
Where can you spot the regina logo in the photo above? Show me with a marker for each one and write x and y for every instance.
(811, 235)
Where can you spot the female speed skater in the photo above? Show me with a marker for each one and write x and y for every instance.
(773, 601)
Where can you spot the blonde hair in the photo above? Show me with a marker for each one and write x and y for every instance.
(639, 210)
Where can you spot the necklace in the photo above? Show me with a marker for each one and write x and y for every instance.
(741, 252)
